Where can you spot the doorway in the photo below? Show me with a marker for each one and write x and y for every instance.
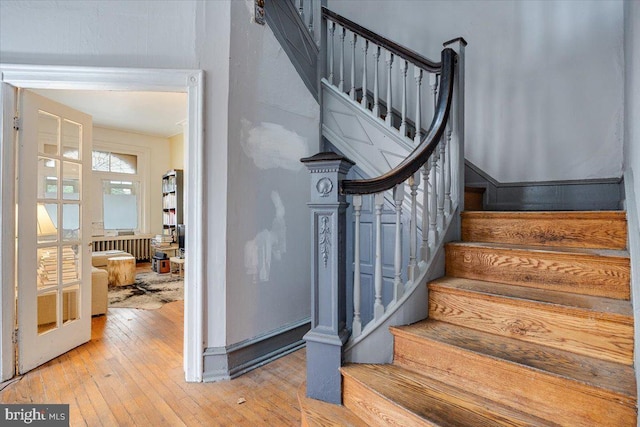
(75, 78)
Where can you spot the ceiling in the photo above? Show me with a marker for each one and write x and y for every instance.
(151, 113)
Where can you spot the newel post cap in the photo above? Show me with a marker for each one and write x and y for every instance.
(327, 170)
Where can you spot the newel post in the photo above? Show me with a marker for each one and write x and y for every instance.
(328, 276)
(457, 120)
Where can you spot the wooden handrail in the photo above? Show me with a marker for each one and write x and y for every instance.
(417, 158)
(396, 49)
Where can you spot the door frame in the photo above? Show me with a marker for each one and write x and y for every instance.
(14, 76)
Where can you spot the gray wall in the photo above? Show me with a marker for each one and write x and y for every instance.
(544, 89)
(273, 122)
(632, 157)
(253, 99)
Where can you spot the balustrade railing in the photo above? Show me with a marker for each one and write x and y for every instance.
(396, 113)
(424, 191)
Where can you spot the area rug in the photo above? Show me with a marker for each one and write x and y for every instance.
(149, 292)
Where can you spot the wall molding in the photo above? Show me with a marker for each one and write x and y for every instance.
(587, 194)
(223, 363)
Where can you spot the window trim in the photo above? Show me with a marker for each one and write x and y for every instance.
(142, 177)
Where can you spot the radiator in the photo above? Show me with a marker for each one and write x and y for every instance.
(138, 245)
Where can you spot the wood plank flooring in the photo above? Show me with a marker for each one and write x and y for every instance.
(130, 374)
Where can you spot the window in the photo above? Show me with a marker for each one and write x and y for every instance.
(104, 161)
(120, 204)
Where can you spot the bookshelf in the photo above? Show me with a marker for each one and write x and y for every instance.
(172, 203)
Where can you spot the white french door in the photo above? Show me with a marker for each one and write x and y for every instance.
(54, 232)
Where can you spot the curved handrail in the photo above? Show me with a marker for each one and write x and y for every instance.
(421, 153)
(396, 49)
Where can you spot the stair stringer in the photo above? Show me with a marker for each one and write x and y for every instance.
(375, 344)
(360, 136)
(294, 37)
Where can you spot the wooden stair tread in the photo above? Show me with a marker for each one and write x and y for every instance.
(573, 215)
(595, 229)
(598, 307)
(322, 414)
(432, 402)
(614, 377)
(559, 250)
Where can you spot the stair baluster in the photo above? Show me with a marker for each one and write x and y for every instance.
(398, 286)
(414, 181)
(376, 57)
(331, 31)
(441, 160)
(378, 308)
(403, 121)
(424, 249)
(353, 41)
(417, 74)
(357, 320)
(365, 95)
(433, 199)
(310, 25)
(389, 61)
(301, 9)
(341, 36)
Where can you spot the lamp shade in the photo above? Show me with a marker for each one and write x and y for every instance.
(46, 227)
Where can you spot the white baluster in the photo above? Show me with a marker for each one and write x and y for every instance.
(418, 76)
(331, 30)
(311, 18)
(357, 320)
(365, 48)
(389, 61)
(424, 249)
(398, 287)
(354, 39)
(433, 199)
(433, 83)
(378, 308)
(403, 119)
(441, 160)
(341, 83)
(376, 106)
(413, 227)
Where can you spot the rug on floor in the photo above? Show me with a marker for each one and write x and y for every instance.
(149, 292)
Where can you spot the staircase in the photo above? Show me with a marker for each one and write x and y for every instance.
(528, 314)
(532, 325)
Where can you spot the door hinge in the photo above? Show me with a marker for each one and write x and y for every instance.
(15, 336)
(16, 123)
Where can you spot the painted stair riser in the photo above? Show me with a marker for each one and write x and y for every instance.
(603, 230)
(607, 276)
(558, 400)
(570, 329)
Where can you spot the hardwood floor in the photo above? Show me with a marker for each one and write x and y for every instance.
(130, 374)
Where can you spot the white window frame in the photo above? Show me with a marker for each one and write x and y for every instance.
(142, 176)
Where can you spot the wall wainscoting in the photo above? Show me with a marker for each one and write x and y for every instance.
(223, 363)
(589, 194)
